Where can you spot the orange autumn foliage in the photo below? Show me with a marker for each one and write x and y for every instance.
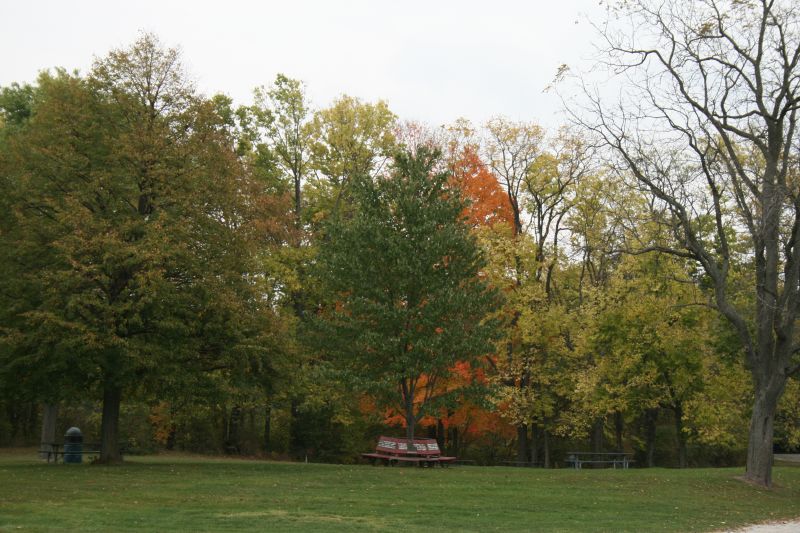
(469, 418)
(489, 203)
(161, 419)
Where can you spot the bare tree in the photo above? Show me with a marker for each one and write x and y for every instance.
(512, 149)
(707, 123)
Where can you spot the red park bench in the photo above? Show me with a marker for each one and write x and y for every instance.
(392, 450)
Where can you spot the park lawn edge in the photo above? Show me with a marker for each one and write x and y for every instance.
(181, 492)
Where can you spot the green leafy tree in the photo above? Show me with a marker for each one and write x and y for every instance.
(408, 299)
(708, 126)
(351, 139)
(541, 186)
(647, 336)
(129, 181)
(282, 112)
(20, 390)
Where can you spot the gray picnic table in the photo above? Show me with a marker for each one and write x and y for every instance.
(610, 459)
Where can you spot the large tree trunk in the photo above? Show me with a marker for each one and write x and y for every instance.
(619, 428)
(298, 201)
(759, 446)
(267, 428)
(681, 437)
(650, 419)
(546, 445)
(522, 443)
(296, 442)
(49, 416)
(596, 437)
(454, 442)
(109, 431)
(232, 438)
(411, 420)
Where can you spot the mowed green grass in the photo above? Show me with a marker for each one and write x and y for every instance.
(184, 493)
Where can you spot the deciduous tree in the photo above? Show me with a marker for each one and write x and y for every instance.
(351, 139)
(709, 126)
(129, 180)
(408, 299)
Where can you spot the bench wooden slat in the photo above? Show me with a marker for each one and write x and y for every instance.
(394, 449)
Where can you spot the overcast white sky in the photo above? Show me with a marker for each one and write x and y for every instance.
(431, 61)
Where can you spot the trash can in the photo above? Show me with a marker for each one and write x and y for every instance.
(73, 446)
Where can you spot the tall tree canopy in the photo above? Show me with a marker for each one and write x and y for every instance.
(176, 256)
(408, 299)
(127, 182)
(351, 139)
(709, 126)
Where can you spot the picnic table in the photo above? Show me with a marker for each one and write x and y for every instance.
(609, 459)
(521, 463)
(55, 449)
(392, 450)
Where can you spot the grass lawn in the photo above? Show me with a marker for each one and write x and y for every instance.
(186, 493)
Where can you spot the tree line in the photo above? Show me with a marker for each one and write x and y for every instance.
(186, 273)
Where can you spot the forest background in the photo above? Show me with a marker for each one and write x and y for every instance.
(186, 274)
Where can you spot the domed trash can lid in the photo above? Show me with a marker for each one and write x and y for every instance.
(73, 434)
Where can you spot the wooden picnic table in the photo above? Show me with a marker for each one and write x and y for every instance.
(521, 463)
(610, 459)
(55, 449)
